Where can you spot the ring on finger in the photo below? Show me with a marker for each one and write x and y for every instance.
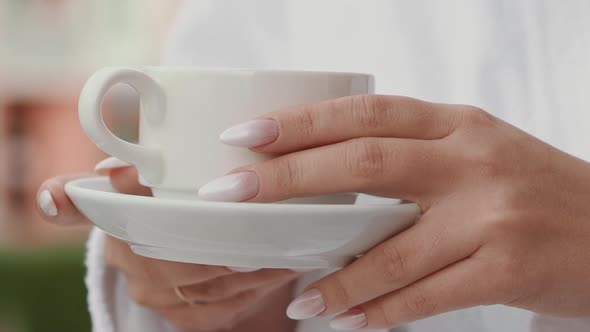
(180, 294)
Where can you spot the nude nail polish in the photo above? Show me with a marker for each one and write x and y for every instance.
(235, 187)
(251, 134)
(110, 163)
(47, 204)
(351, 320)
(307, 305)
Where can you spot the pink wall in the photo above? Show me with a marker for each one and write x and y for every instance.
(39, 139)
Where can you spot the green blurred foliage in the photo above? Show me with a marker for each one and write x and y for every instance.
(43, 290)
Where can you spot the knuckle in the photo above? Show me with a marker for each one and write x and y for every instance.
(418, 304)
(307, 121)
(368, 111)
(494, 221)
(484, 157)
(477, 150)
(289, 177)
(364, 158)
(505, 215)
(392, 262)
(475, 136)
(475, 116)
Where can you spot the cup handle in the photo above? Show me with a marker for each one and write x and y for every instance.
(147, 159)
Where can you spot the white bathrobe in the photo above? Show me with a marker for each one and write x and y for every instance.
(526, 61)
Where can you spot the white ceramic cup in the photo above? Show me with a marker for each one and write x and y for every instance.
(183, 111)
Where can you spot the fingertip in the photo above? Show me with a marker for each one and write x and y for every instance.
(47, 200)
(234, 187)
(104, 167)
(309, 304)
(251, 134)
(352, 319)
(54, 205)
(46, 204)
(125, 180)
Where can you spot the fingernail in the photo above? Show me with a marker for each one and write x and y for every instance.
(242, 269)
(235, 187)
(251, 134)
(307, 305)
(351, 320)
(110, 163)
(47, 204)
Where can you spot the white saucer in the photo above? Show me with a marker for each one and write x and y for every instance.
(280, 235)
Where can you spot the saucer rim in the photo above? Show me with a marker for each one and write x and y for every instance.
(90, 196)
(84, 186)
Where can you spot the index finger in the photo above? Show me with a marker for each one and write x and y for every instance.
(342, 119)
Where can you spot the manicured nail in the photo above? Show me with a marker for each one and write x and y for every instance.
(242, 269)
(351, 320)
(110, 163)
(47, 204)
(251, 134)
(235, 187)
(307, 305)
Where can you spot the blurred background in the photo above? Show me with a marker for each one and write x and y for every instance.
(47, 50)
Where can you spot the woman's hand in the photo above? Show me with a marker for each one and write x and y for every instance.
(192, 297)
(506, 217)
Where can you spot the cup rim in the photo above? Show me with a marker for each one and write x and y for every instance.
(245, 70)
